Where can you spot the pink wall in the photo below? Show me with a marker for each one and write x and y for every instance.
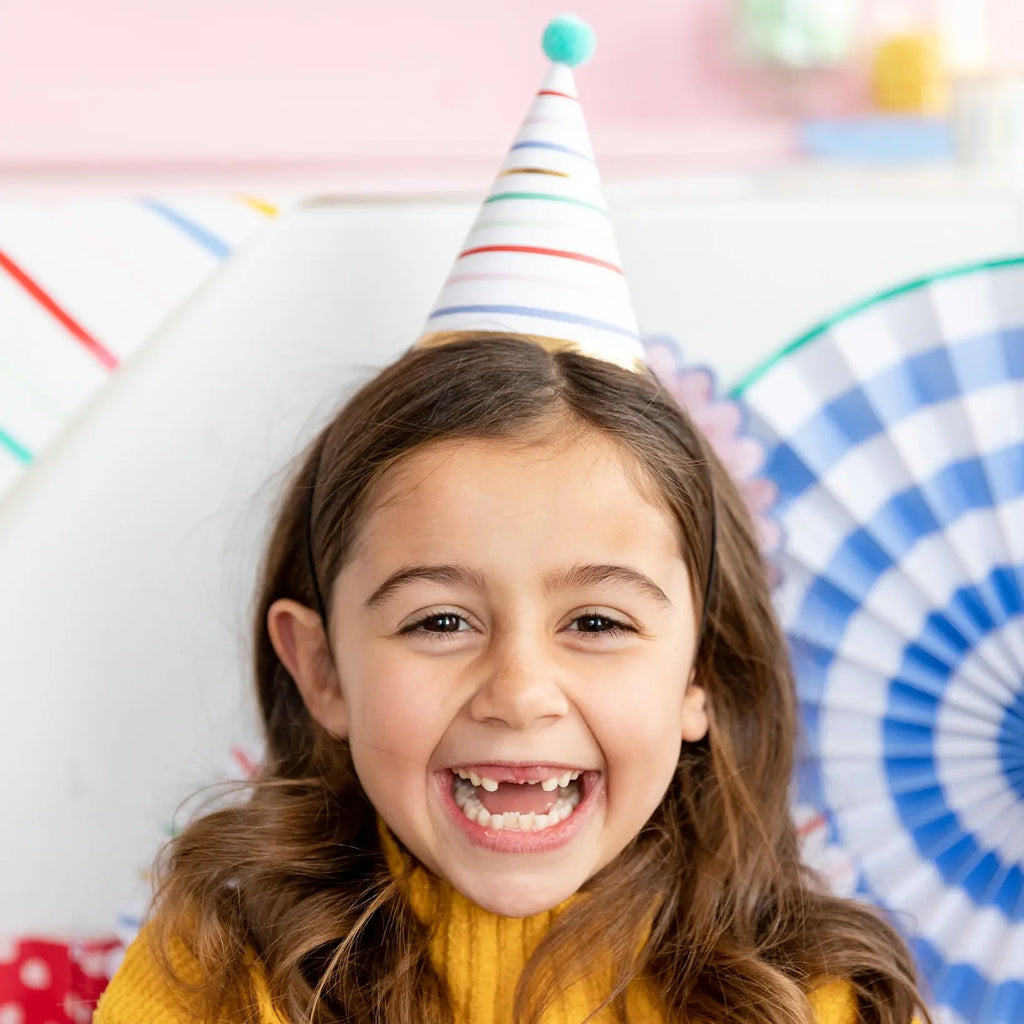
(335, 81)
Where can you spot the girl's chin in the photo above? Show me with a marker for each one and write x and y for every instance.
(510, 900)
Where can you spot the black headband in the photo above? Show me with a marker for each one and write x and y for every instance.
(712, 572)
(317, 596)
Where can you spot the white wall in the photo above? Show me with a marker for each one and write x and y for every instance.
(128, 555)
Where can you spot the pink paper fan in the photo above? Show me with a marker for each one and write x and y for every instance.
(721, 422)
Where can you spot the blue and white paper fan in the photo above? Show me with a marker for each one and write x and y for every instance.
(895, 434)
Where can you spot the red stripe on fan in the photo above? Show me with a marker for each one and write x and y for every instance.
(108, 359)
(246, 763)
(543, 252)
(818, 821)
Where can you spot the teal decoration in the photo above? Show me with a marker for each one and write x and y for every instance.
(568, 39)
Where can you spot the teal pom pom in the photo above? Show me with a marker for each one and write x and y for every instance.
(569, 40)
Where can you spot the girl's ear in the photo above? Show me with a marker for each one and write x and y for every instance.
(695, 716)
(298, 638)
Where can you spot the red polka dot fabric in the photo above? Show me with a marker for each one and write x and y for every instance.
(43, 981)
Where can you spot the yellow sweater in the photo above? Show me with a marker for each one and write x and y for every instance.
(479, 954)
(138, 994)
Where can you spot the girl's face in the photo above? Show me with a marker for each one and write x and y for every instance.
(514, 634)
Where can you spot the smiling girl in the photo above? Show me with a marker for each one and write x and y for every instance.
(528, 715)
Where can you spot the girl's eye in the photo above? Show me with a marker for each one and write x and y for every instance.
(436, 625)
(593, 623)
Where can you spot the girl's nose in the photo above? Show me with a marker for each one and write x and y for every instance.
(519, 688)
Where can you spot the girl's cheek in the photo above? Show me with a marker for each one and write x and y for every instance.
(401, 720)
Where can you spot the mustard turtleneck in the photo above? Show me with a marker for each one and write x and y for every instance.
(482, 955)
(479, 954)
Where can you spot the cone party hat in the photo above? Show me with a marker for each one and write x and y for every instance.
(541, 258)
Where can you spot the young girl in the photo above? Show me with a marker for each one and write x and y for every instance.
(529, 721)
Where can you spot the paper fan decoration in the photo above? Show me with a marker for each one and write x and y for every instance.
(720, 419)
(43, 981)
(83, 284)
(895, 433)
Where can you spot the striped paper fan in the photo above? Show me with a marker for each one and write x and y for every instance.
(83, 284)
(895, 434)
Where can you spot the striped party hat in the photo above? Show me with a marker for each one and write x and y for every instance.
(541, 258)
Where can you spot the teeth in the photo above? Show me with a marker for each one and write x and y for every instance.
(463, 792)
(466, 800)
(561, 810)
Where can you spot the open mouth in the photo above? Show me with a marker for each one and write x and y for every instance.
(523, 800)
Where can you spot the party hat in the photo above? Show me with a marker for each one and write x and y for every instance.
(541, 257)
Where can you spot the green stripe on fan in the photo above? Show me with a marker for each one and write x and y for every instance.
(21, 453)
(858, 307)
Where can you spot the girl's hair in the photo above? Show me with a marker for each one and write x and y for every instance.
(295, 875)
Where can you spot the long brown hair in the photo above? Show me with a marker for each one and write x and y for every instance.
(294, 874)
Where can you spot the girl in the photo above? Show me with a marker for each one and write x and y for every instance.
(528, 717)
(531, 761)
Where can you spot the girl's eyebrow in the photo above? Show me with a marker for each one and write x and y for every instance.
(590, 575)
(450, 575)
(560, 579)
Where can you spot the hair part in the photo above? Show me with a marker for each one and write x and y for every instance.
(294, 875)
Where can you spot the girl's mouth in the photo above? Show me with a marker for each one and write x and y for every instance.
(517, 799)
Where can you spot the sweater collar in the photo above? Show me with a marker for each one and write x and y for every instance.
(481, 955)
(432, 899)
